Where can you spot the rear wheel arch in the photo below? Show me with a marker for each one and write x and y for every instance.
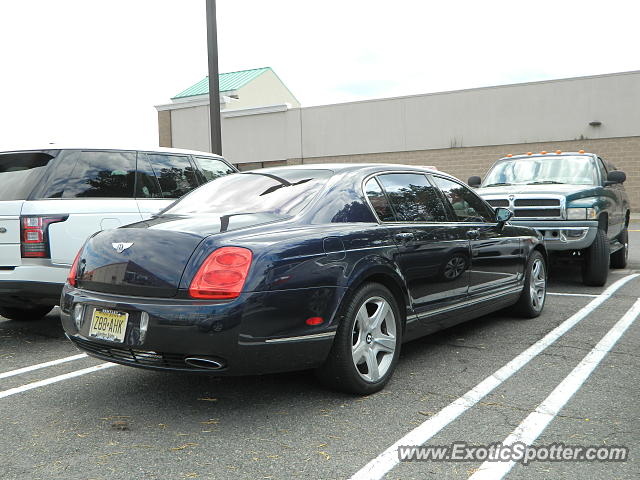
(388, 281)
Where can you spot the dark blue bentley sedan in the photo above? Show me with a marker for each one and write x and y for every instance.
(325, 267)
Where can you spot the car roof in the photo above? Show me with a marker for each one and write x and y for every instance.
(355, 167)
(60, 146)
(548, 155)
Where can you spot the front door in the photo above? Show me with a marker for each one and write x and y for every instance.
(497, 259)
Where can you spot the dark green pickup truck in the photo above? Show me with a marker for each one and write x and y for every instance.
(576, 200)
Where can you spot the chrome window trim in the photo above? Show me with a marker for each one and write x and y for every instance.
(385, 172)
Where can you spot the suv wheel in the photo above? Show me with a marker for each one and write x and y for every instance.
(25, 314)
(619, 258)
(595, 265)
(367, 344)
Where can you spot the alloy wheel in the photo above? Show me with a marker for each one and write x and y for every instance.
(538, 284)
(374, 339)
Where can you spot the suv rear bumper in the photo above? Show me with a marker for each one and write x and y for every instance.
(32, 284)
(561, 235)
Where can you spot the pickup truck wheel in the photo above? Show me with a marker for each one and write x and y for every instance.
(619, 258)
(595, 265)
(25, 314)
(534, 294)
(367, 343)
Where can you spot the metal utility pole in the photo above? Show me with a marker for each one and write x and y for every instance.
(214, 81)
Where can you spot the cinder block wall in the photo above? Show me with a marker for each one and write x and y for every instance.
(623, 152)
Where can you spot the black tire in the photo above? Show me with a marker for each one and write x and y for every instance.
(595, 265)
(25, 314)
(619, 258)
(340, 371)
(534, 294)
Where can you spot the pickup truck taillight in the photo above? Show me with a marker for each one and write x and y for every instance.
(34, 235)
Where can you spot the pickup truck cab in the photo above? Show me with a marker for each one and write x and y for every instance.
(576, 200)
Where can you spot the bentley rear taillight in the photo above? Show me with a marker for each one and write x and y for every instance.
(73, 273)
(222, 275)
(34, 235)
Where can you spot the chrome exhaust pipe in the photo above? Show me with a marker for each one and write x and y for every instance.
(204, 363)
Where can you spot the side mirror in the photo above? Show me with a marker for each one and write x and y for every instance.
(474, 181)
(616, 176)
(503, 215)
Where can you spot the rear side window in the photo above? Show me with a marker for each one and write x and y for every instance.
(412, 197)
(212, 168)
(379, 201)
(466, 205)
(101, 174)
(20, 173)
(175, 174)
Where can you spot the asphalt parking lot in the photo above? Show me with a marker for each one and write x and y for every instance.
(117, 422)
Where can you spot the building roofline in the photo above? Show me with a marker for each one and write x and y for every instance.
(474, 89)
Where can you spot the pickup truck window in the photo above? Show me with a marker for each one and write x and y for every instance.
(540, 170)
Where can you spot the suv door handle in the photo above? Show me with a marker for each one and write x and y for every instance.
(404, 237)
(473, 234)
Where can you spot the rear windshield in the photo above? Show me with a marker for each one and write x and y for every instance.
(278, 192)
(20, 173)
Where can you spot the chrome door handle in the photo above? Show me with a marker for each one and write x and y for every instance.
(404, 237)
(473, 234)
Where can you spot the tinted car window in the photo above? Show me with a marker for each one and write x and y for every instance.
(101, 174)
(20, 173)
(466, 205)
(175, 174)
(212, 168)
(279, 192)
(147, 185)
(412, 197)
(379, 201)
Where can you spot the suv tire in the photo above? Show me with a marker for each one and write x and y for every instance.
(25, 314)
(619, 258)
(595, 265)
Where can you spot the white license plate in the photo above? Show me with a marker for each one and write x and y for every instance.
(108, 325)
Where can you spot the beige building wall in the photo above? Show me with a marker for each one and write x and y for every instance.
(464, 162)
(266, 89)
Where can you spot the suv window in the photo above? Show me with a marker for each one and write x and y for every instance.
(466, 205)
(175, 174)
(101, 174)
(379, 201)
(212, 168)
(20, 173)
(147, 185)
(412, 197)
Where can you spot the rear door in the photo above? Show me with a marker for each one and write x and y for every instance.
(20, 173)
(432, 257)
(95, 188)
(163, 178)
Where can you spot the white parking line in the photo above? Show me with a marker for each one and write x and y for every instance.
(532, 426)
(383, 463)
(573, 294)
(59, 378)
(31, 368)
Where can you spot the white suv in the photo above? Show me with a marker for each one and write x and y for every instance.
(52, 199)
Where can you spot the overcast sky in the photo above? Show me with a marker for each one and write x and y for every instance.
(89, 71)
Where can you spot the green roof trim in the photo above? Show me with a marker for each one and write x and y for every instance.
(228, 82)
